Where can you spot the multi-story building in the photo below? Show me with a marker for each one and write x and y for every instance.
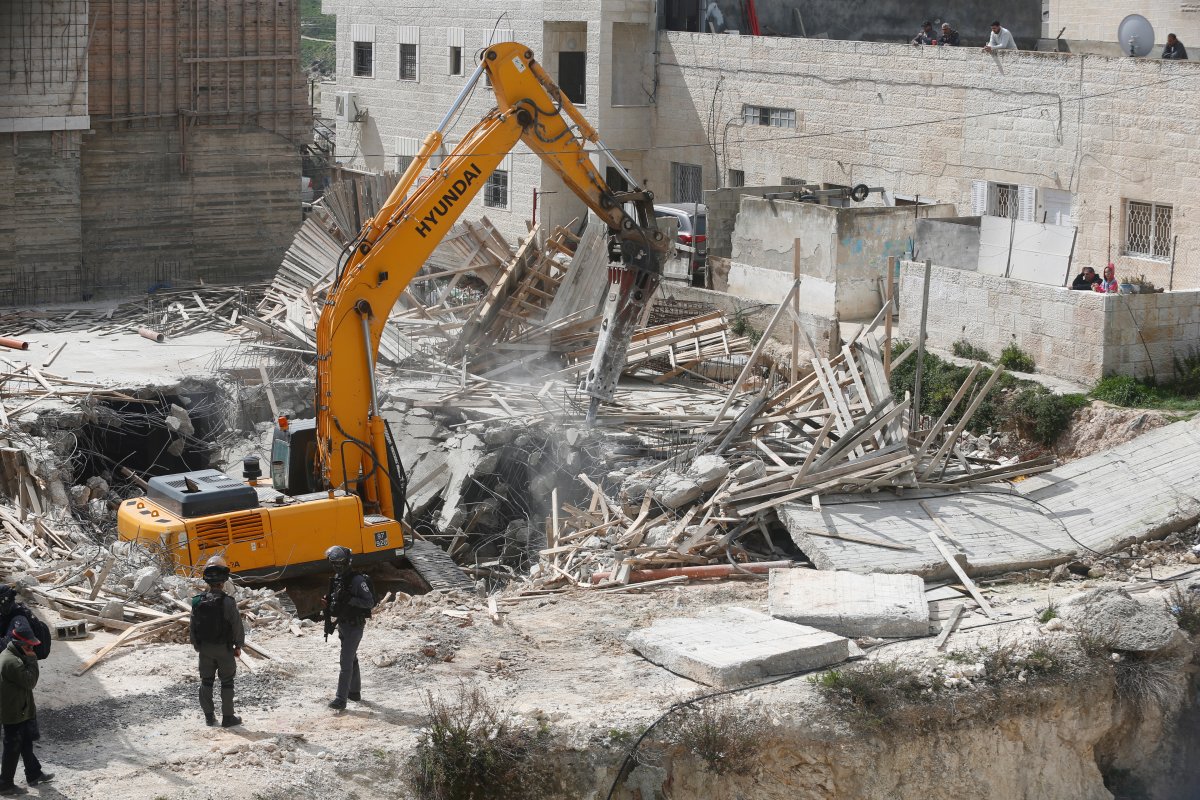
(1103, 144)
(146, 143)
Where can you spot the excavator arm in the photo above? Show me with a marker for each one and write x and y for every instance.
(393, 246)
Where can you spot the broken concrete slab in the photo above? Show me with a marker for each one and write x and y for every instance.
(1120, 621)
(1042, 521)
(736, 646)
(849, 604)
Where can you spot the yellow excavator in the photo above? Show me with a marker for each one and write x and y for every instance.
(336, 479)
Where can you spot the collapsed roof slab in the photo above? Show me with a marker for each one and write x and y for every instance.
(1140, 490)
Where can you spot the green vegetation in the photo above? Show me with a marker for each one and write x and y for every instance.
(315, 26)
(469, 749)
(1181, 392)
(1033, 410)
(964, 349)
(879, 694)
(1048, 613)
(741, 326)
(1015, 359)
(727, 737)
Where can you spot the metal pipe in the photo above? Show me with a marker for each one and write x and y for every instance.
(462, 96)
(365, 315)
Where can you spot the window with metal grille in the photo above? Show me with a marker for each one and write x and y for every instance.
(495, 191)
(408, 62)
(737, 177)
(364, 59)
(788, 181)
(686, 186)
(772, 117)
(456, 63)
(1148, 230)
(615, 180)
(1005, 202)
(403, 163)
(572, 76)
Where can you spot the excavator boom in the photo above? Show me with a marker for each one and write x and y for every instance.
(332, 480)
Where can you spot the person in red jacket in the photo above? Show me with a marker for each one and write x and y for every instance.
(1109, 284)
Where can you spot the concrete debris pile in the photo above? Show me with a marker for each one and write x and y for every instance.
(702, 475)
(161, 313)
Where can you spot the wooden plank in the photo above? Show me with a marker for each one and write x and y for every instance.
(948, 626)
(954, 565)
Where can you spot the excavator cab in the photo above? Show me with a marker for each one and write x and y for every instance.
(294, 468)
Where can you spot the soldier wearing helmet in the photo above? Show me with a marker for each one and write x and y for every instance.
(347, 608)
(218, 636)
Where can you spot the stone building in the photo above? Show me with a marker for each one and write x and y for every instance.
(147, 143)
(1100, 144)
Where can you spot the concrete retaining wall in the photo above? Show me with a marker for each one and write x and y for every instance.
(1080, 336)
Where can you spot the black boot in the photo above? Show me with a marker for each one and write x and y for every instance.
(337, 703)
(355, 696)
(230, 720)
(210, 720)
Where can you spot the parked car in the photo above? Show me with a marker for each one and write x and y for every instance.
(692, 219)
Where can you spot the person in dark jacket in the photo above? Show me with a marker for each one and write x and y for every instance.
(347, 608)
(18, 712)
(927, 35)
(217, 634)
(1174, 49)
(10, 611)
(1086, 280)
(949, 36)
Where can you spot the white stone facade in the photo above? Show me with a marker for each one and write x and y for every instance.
(1077, 137)
(1077, 335)
(931, 122)
(1093, 21)
(616, 35)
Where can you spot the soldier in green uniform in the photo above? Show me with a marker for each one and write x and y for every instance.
(218, 636)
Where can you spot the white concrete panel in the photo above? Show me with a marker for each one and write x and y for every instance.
(1040, 253)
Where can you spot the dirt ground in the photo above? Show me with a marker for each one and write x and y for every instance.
(131, 727)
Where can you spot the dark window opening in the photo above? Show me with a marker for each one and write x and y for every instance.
(495, 191)
(408, 62)
(364, 59)
(615, 180)
(572, 76)
(456, 64)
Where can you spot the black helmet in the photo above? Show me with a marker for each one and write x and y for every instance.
(339, 557)
(8, 598)
(216, 571)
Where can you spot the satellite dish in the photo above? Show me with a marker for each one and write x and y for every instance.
(1136, 35)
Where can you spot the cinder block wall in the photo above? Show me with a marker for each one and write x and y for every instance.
(1080, 336)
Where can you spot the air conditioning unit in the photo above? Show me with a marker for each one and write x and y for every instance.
(345, 107)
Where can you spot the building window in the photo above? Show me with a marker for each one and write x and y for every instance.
(1148, 230)
(456, 62)
(737, 177)
(364, 59)
(408, 62)
(615, 180)
(1007, 200)
(495, 191)
(572, 76)
(789, 181)
(403, 163)
(772, 117)
(686, 186)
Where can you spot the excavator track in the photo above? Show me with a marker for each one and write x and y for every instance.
(435, 567)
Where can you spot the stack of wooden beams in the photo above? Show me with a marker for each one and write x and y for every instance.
(24, 386)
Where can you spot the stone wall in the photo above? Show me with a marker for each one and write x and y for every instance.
(929, 122)
(1080, 336)
(948, 242)
(1098, 21)
(44, 83)
(843, 252)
